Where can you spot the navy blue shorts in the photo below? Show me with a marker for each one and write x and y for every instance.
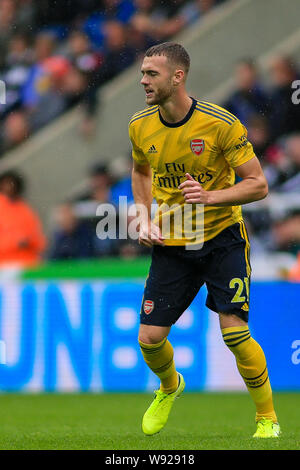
(177, 274)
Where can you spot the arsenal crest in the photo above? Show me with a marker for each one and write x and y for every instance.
(197, 146)
(148, 306)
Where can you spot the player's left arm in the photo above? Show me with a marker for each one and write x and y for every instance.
(238, 152)
(252, 187)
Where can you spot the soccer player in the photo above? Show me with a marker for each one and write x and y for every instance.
(187, 153)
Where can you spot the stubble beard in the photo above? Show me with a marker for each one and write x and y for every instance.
(160, 97)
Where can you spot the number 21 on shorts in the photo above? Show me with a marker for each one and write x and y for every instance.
(239, 285)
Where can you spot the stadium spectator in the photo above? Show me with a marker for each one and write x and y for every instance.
(14, 16)
(38, 81)
(15, 71)
(87, 204)
(259, 135)
(19, 49)
(7, 18)
(285, 115)
(144, 22)
(286, 233)
(122, 188)
(15, 130)
(81, 53)
(283, 174)
(139, 37)
(22, 241)
(99, 185)
(52, 101)
(110, 10)
(118, 54)
(58, 16)
(249, 98)
(161, 21)
(72, 238)
(88, 62)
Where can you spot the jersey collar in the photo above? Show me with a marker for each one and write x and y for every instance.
(183, 121)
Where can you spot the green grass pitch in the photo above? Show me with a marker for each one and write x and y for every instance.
(113, 421)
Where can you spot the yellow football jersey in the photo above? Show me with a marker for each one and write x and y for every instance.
(208, 143)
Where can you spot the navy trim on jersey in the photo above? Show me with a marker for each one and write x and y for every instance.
(212, 108)
(144, 115)
(214, 115)
(183, 121)
(146, 110)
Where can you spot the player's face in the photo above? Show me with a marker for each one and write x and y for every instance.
(157, 79)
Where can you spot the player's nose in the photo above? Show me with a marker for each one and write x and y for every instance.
(144, 81)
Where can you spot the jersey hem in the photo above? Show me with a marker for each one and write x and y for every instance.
(182, 242)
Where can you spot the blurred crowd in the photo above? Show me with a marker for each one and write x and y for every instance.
(75, 223)
(270, 110)
(78, 221)
(55, 54)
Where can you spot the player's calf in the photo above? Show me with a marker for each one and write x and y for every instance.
(251, 363)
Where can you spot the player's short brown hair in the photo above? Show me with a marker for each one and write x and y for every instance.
(173, 51)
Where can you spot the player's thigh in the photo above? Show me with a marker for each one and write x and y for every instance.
(228, 279)
(169, 289)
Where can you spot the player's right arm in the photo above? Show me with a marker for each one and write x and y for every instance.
(142, 190)
(149, 233)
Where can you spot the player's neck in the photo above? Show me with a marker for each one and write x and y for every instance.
(175, 109)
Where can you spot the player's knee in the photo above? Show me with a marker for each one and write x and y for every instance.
(150, 335)
(149, 339)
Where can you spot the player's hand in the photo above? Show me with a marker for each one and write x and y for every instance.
(150, 234)
(193, 192)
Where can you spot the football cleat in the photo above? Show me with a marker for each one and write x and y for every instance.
(158, 412)
(266, 428)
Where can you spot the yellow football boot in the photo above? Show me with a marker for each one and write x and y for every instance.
(158, 412)
(266, 428)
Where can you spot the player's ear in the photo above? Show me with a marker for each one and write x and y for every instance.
(178, 77)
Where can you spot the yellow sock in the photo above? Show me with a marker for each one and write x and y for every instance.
(159, 357)
(251, 363)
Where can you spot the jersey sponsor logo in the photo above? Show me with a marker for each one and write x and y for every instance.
(239, 146)
(197, 146)
(243, 141)
(152, 149)
(173, 181)
(148, 306)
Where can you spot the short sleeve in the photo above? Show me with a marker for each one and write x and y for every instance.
(137, 153)
(235, 145)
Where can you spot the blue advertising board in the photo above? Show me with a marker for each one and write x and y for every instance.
(82, 336)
